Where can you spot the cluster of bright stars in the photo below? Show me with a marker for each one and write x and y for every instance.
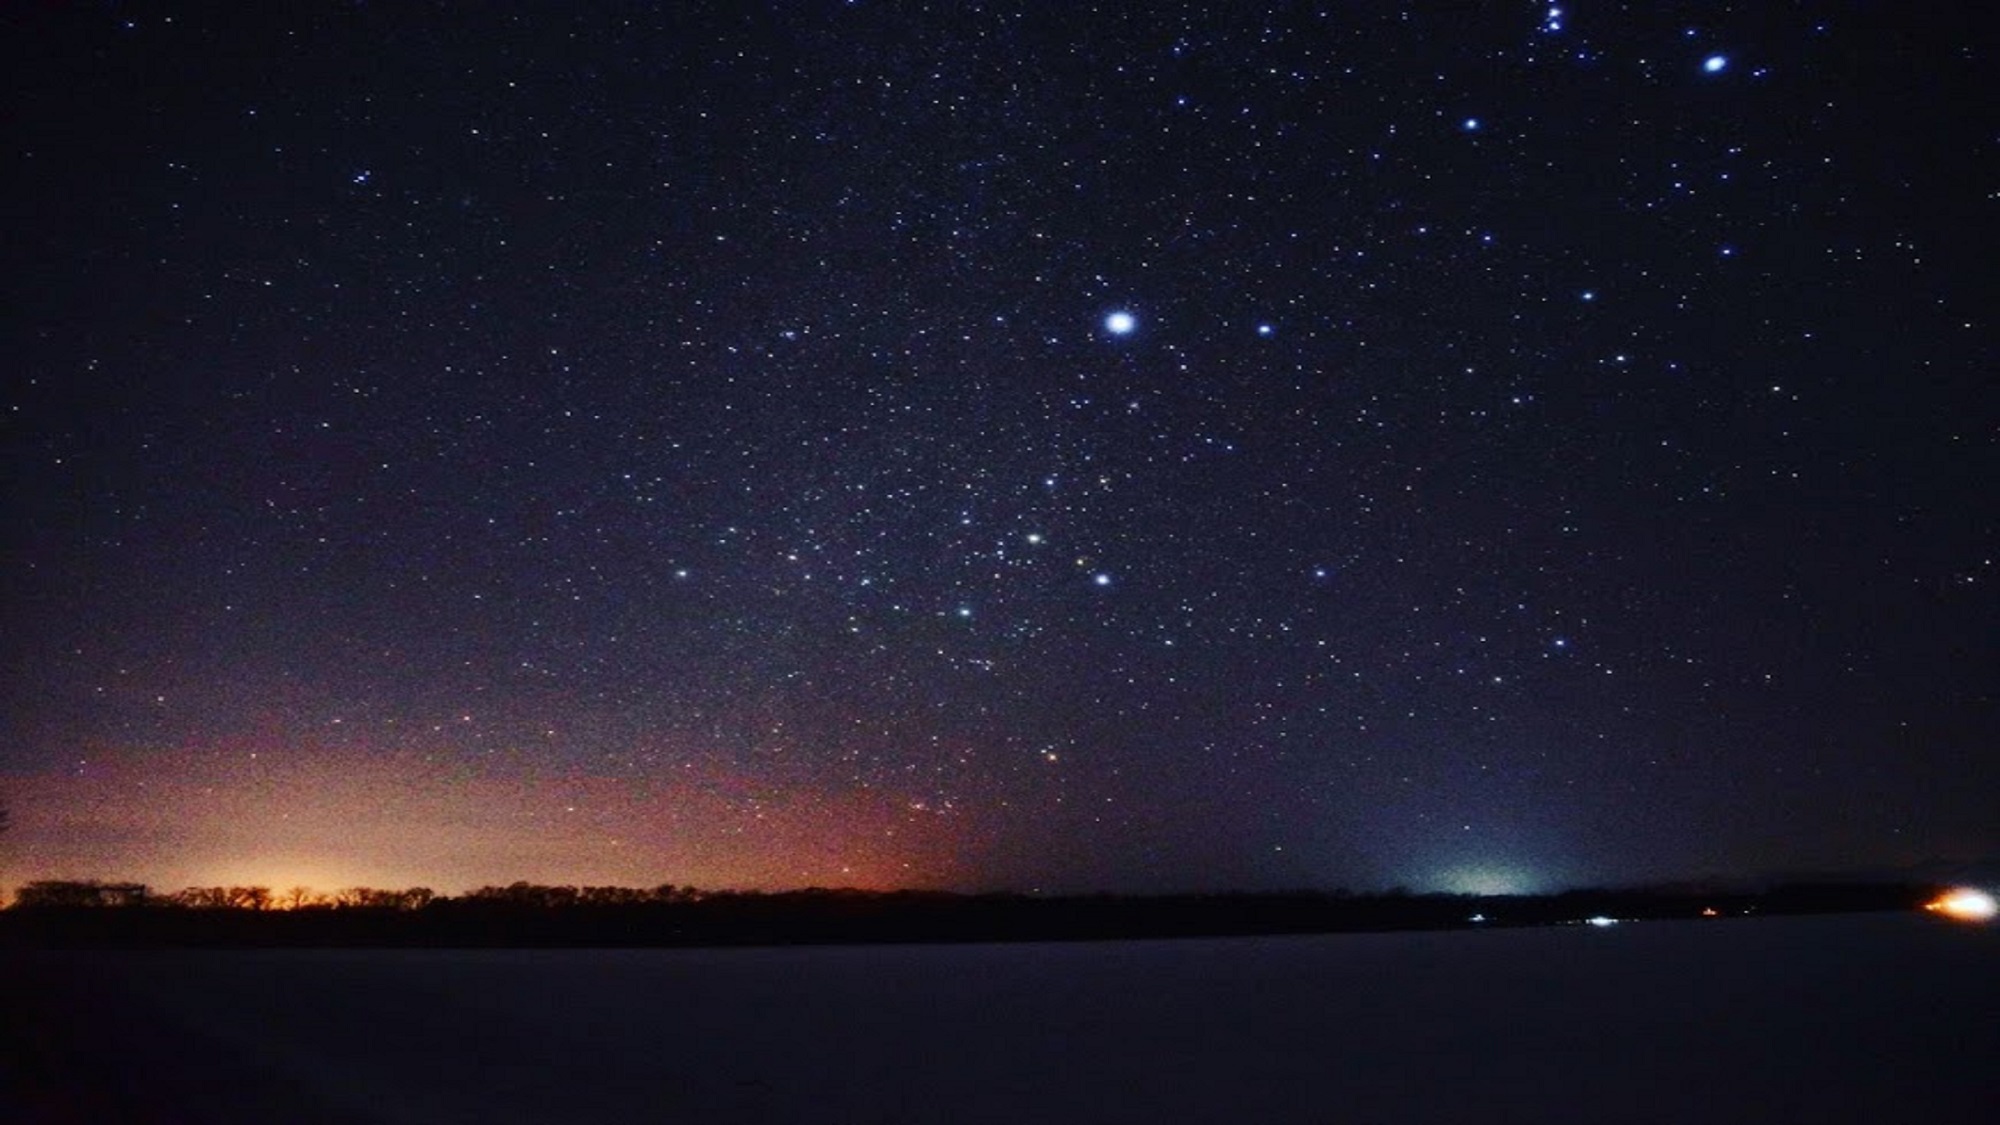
(1552, 23)
(1122, 323)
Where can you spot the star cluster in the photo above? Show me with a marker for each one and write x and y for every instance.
(1056, 446)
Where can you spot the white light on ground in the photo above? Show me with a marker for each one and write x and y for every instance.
(1964, 904)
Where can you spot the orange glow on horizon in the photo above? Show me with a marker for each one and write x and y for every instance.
(1964, 904)
(204, 817)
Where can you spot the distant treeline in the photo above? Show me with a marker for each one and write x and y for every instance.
(69, 913)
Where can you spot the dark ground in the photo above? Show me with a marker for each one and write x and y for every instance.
(1827, 1019)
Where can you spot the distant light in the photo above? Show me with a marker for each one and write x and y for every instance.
(1715, 64)
(1477, 918)
(1709, 912)
(1265, 330)
(1101, 579)
(1964, 904)
(1588, 295)
(1120, 323)
(1490, 879)
(1470, 124)
(1600, 921)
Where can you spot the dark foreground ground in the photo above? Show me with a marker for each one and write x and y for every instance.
(1877, 1018)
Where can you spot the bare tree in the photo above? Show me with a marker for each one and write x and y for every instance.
(372, 898)
(250, 898)
(71, 893)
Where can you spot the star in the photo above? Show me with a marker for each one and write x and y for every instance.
(1715, 64)
(1120, 323)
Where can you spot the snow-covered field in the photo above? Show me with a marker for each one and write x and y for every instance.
(1870, 1018)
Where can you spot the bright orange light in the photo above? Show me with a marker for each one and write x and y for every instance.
(1708, 912)
(1964, 904)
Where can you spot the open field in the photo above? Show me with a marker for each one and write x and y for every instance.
(1851, 1018)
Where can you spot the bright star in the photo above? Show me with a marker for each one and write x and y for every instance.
(1120, 323)
(1101, 579)
(1714, 64)
(1470, 124)
(1265, 330)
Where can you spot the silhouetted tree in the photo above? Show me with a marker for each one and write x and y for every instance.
(372, 898)
(221, 898)
(79, 893)
(526, 895)
(250, 898)
(299, 898)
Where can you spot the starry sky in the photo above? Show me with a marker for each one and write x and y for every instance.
(1047, 446)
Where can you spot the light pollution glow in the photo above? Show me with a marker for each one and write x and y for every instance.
(1488, 880)
(209, 818)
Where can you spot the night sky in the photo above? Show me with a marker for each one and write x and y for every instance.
(1057, 446)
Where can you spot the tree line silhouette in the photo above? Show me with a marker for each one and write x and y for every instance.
(78, 893)
(94, 913)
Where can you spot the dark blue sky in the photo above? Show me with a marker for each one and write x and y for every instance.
(689, 443)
